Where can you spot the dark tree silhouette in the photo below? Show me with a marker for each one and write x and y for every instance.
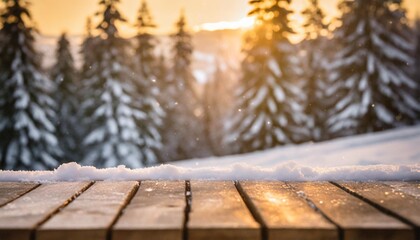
(27, 111)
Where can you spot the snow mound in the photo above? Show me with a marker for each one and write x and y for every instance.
(284, 172)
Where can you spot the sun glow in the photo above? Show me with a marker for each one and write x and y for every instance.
(244, 23)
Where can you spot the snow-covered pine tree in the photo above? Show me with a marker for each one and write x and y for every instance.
(162, 72)
(217, 103)
(183, 131)
(146, 42)
(268, 110)
(89, 52)
(90, 58)
(64, 75)
(290, 72)
(417, 60)
(113, 112)
(370, 81)
(315, 59)
(27, 111)
(147, 83)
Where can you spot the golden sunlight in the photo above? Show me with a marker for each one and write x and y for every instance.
(244, 23)
(53, 17)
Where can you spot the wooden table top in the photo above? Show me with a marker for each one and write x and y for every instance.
(201, 210)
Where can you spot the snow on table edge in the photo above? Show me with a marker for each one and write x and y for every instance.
(290, 171)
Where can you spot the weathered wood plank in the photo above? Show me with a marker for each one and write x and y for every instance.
(398, 202)
(91, 215)
(286, 215)
(218, 212)
(10, 191)
(156, 212)
(412, 188)
(357, 219)
(19, 218)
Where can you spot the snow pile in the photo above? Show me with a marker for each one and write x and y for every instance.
(388, 156)
(395, 147)
(283, 172)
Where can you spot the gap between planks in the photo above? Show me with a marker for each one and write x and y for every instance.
(390, 210)
(157, 211)
(120, 213)
(245, 198)
(91, 215)
(312, 205)
(187, 211)
(357, 218)
(10, 191)
(20, 218)
(255, 213)
(218, 212)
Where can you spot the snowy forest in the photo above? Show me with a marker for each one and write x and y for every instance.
(129, 104)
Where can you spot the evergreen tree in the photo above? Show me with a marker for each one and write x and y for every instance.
(417, 60)
(114, 113)
(183, 133)
(268, 112)
(147, 82)
(145, 42)
(370, 81)
(89, 51)
(162, 72)
(162, 83)
(216, 104)
(315, 46)
(27, 111)
(64, 75)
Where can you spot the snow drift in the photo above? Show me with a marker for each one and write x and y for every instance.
(282, 172)
(395, 147)
(388, 156)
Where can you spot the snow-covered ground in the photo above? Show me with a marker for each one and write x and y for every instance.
(392, 155)
(395, 147)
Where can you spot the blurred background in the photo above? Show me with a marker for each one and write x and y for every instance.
(141, 83)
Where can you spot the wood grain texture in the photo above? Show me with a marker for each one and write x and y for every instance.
(20, 217)
(358, 219)
(91, 215)
(411, 188)
(218, 212)
(155, 212)
(398, 202)
(10, 191)
(286, 215)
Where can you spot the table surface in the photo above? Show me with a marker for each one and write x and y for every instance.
(198, 210)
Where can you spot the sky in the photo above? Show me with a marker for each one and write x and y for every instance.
(56, 16)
